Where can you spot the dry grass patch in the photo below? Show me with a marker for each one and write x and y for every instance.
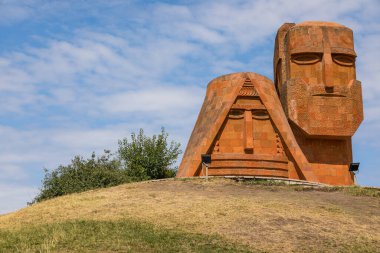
(268, 218)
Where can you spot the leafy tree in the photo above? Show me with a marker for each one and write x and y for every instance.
(141, 159)
(82, 175)
(149, 157)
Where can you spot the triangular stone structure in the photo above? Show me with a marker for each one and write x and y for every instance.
(243, 127)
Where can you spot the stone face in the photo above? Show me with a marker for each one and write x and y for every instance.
(316, 79)
(242, 125)
(298, 128)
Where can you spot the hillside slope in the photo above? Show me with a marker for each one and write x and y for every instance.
(219, 214)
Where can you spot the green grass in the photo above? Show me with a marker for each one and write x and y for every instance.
(351, 190)
(107, 236)
(264, 182)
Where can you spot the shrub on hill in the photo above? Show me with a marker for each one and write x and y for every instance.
(82, 175)
(149, 157)
(142, 158)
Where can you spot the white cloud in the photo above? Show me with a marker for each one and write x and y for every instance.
(163, 100)
(249, 23)
(15, 196)
(73, 74)
(11, 170)
(11, 11)
(368, 65)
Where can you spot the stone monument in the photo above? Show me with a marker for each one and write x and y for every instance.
(300, 127)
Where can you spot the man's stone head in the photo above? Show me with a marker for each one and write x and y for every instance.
(315, 77)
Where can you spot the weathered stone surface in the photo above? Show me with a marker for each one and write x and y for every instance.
(316, 78)
(248, 131)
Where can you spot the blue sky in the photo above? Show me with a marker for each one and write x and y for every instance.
(77, 76)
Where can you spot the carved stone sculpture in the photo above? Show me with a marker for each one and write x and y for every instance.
(298, 128)
(315, 77)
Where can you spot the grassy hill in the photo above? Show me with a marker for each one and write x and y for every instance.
(218, 215)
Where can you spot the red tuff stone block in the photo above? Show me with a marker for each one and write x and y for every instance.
(315, 78)
(300, 127)
(248, 135)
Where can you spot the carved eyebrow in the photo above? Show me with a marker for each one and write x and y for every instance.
(247, 107)
(334, 50)
(306, 50)
(342, 50)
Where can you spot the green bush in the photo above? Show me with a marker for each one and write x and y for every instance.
(149, 157)
(82, 175)
(141, 159)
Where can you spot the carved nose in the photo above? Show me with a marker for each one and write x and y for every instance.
(248, 132)
(328, 72)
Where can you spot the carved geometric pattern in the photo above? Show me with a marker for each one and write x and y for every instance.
(248, 91)
(247, 82)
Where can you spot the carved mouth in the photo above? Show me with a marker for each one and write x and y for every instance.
(329, 95)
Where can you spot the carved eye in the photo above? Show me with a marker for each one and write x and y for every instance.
(344, 59)
(260, 114)
(236, 114)
(306, 58)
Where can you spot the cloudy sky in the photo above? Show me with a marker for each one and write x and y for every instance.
(77, 76)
